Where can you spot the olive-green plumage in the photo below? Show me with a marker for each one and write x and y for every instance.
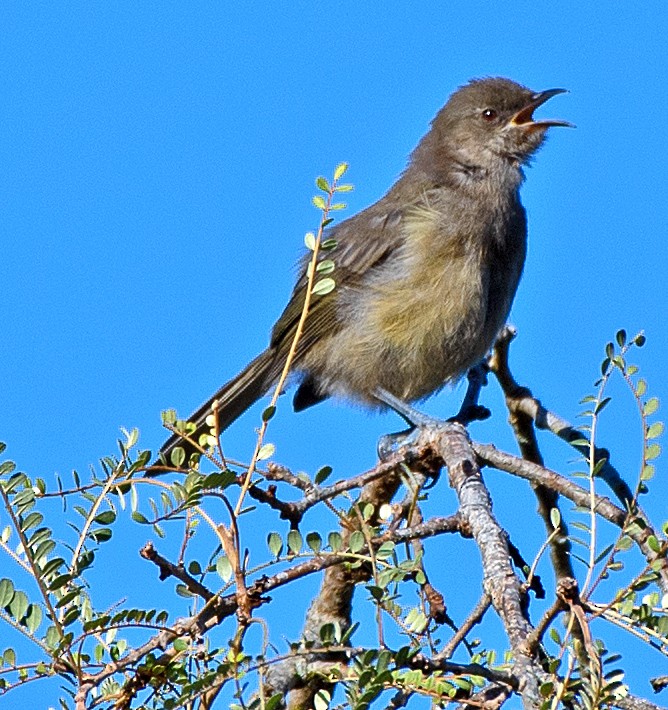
(425, 277)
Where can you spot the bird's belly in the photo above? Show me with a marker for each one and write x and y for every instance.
(410, 337)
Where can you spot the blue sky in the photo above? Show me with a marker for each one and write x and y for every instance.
(156, 167)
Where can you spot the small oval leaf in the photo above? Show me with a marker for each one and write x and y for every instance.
(224, 568)
(266, 450)
(340, 170)
(295, 541)
(274, 543)
(314, 541)
(323, 287)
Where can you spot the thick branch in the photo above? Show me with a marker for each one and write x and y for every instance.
(452, 444)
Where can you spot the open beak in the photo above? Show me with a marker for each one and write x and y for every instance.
(524, 117)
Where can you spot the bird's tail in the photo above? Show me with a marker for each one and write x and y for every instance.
(233, 398)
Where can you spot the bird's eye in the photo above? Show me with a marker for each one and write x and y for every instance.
(489, 114)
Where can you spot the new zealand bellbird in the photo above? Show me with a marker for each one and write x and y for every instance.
(425, 277)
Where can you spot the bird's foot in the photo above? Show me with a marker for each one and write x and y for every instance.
(389, 444)
(471, 413)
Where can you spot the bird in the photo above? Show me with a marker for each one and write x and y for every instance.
(424, 278)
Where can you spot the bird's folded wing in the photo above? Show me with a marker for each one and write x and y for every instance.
(364, 242)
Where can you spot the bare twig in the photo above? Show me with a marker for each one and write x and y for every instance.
(490, 456)
(522, 423)
(169, 569)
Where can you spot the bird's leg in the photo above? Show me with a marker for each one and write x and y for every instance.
(469, 411)
(409, 414)
(389, 443)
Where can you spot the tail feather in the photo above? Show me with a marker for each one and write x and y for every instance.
(234, 398)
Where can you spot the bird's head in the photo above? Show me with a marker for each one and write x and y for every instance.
(491, 119)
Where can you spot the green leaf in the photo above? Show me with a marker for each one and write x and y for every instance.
(326, 633)
(651, 405)
(224, 568)
(34, 618)
(598, 466)
(655, 430)
(385, 550)
(180, 645)
(19, 605)
(621, 338)
(60, 581)
(139, 518)
(641, 388)
(578, 442)
(107, 517)
(357, 541)
(195, 568)
(219, 479)
(335, 541)
(345, 187)
(555, 517)
(653, 544)
(322, 474)
(131, 437)
(417, 622)
(323, 287)
(101, 535)
(547, 689)
(377, 593)
(340, 171)
(314, 541)
(601, 405)
(603, 553)
(52, 566)
(32, 521)
(266, 450)
(319, 202)
(321, 700)
(322, 184)
(6, 592)
(67, 598)
(295, 541)
(309, 240)
(624, 543)
(648, 472)
(6, 467)
(329, 244)
(268, 413)
(338, 206)
(177, 456)
(274, 543)
(326, 266)
(71, 615)
(652, 452)
(640, 340)
(274, 702)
